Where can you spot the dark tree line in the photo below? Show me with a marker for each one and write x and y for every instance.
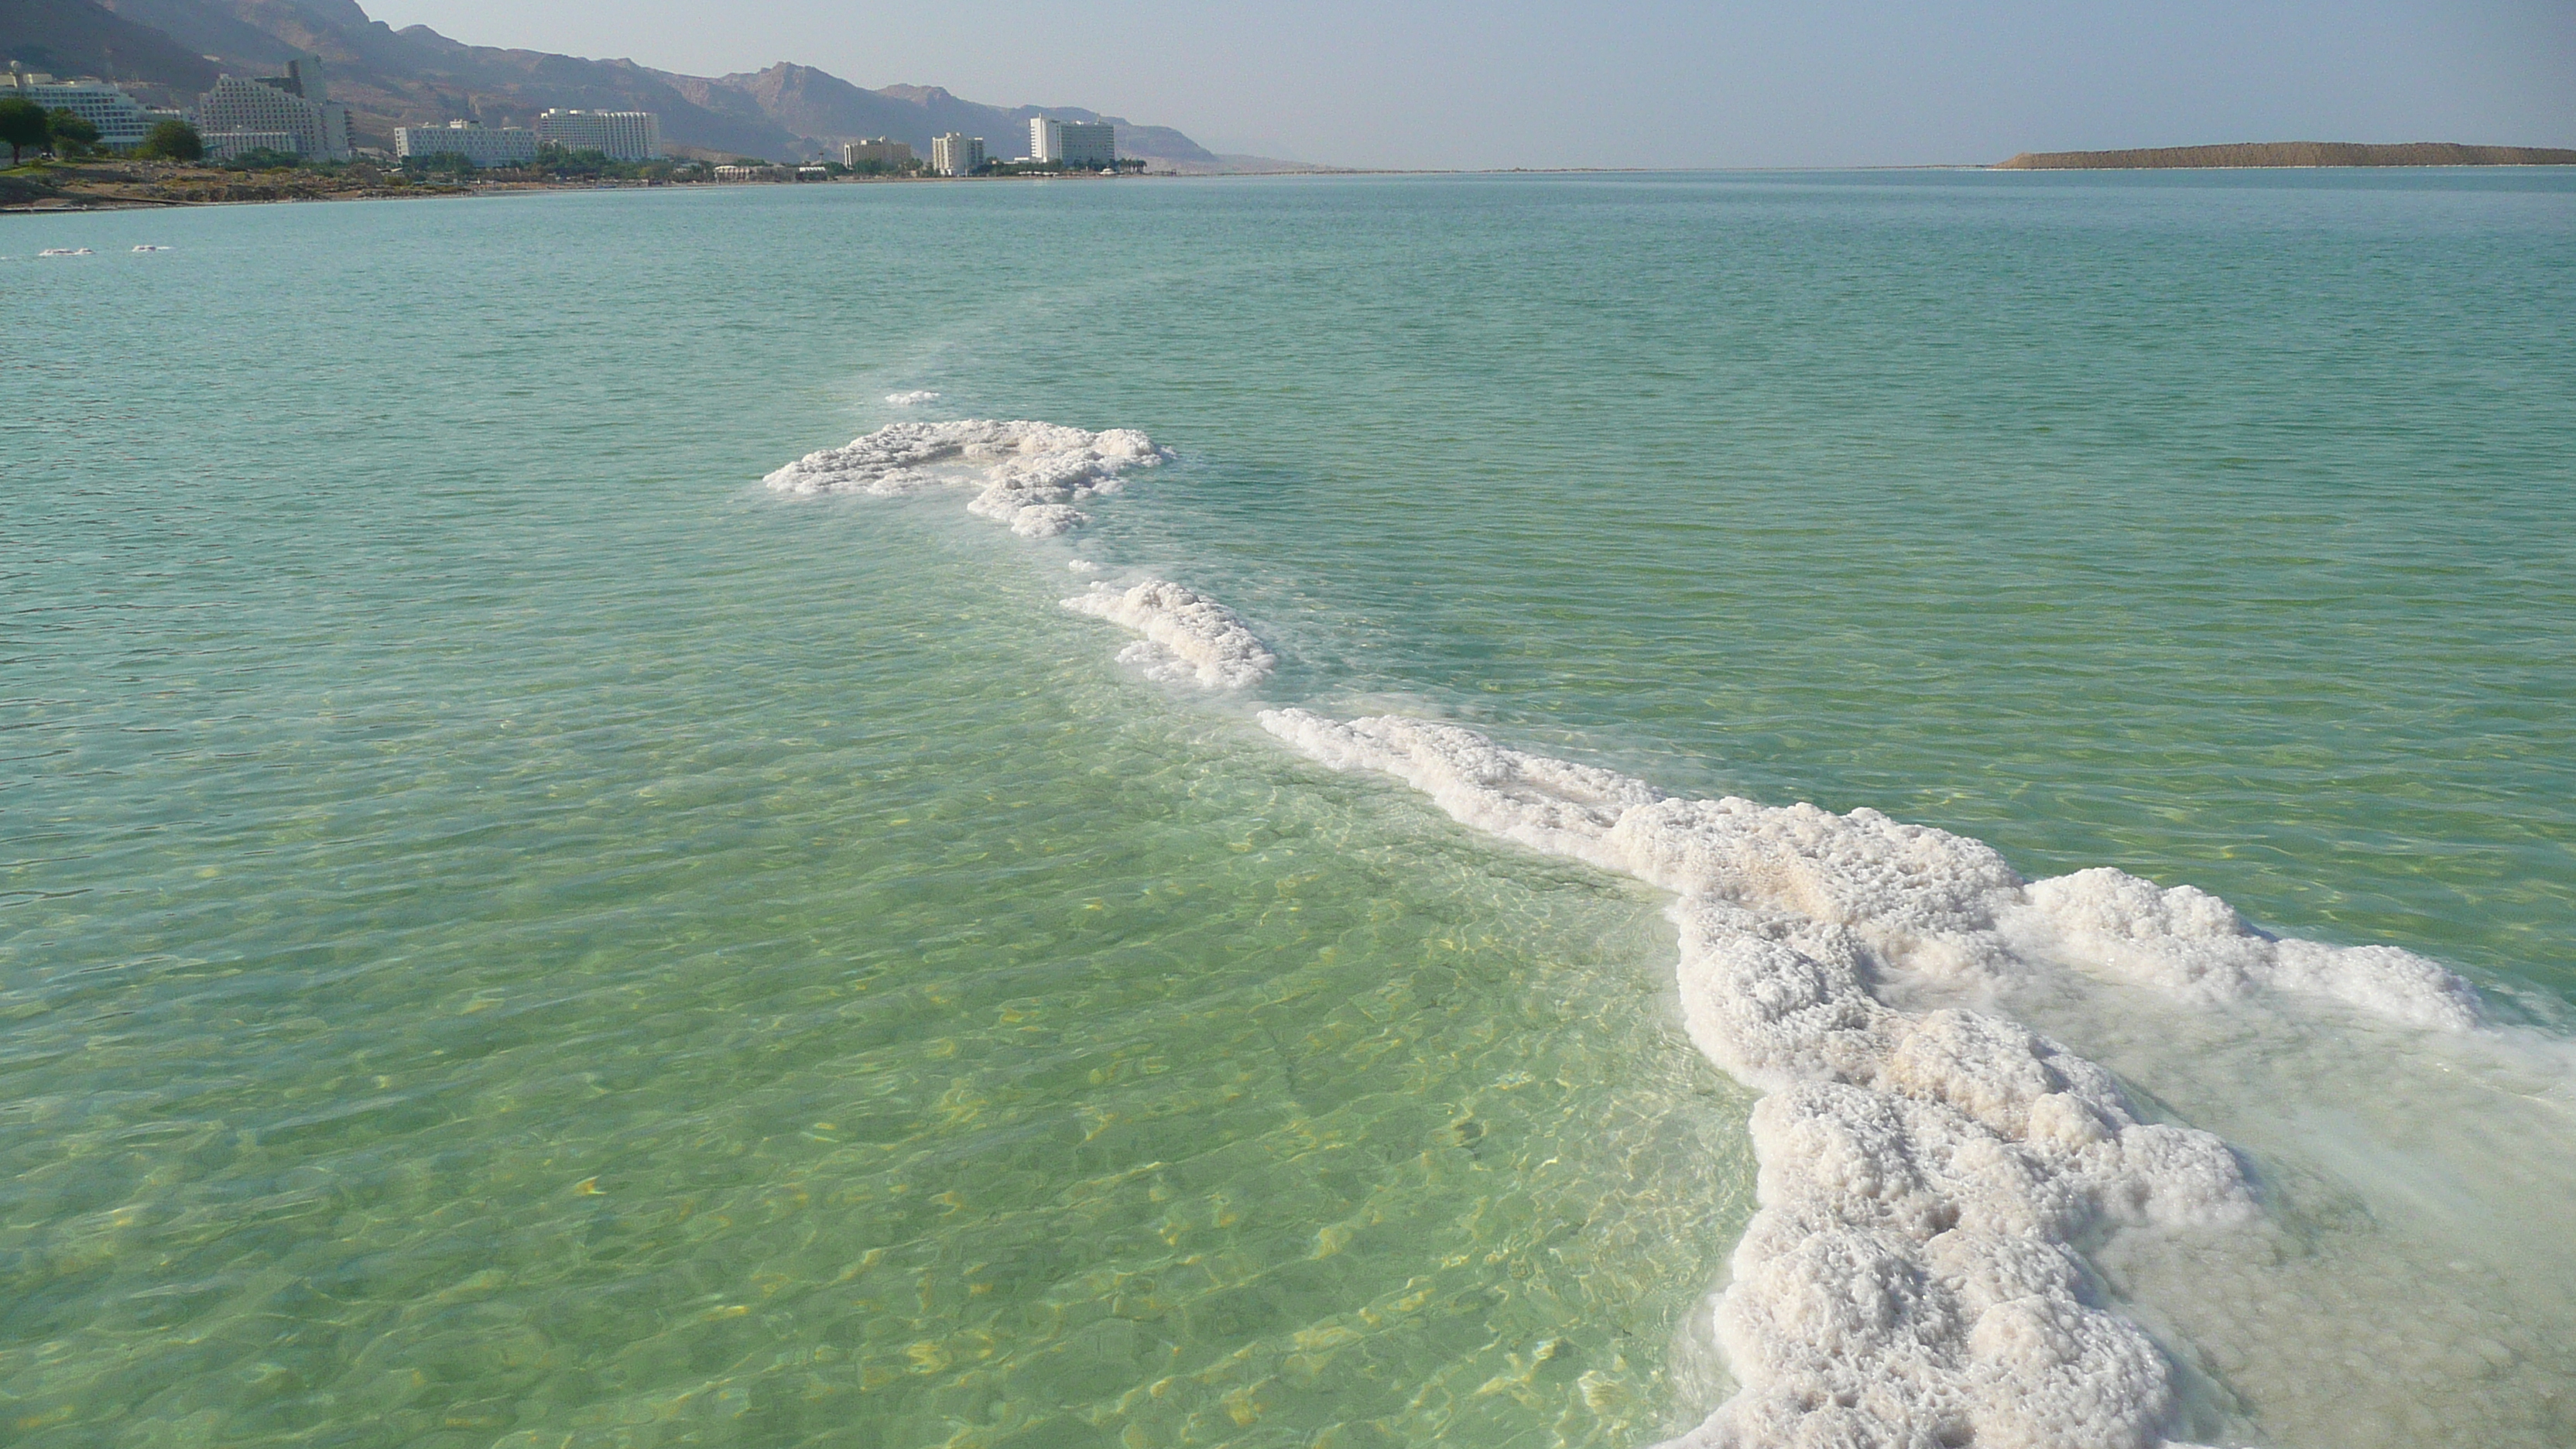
(172, 141)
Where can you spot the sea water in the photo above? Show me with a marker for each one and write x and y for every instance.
(516, 933)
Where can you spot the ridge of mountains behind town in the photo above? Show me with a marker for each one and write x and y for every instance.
(168, 51)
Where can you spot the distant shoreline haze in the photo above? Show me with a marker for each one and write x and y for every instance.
(168, 51)
(2290, 153)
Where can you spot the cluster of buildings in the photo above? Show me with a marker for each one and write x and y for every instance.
(619, 135)
(637, 136)
(1075, 145)
(294, 113)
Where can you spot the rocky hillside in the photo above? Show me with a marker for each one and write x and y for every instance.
(77, 37)
(817, 103)
(171, 50)
(2291, 153)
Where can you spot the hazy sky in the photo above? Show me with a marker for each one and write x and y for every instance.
(1645, 82)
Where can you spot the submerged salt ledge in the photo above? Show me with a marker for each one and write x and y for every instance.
(1188, 636)
(1910, 1278)
(1030, 474)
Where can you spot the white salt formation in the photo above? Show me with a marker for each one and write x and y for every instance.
(912, 399)
(1030, 474)
(1911, 1277)
(1188, 636)
(1924, 901)
(2190, 944)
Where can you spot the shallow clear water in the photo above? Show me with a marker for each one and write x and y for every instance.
(510, 934)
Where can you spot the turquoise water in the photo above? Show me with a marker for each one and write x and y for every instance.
(513, 935)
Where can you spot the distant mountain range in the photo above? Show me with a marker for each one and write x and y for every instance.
(171, 50)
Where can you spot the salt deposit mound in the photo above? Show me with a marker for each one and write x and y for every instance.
(1188, 636)
(1028, 475)
(1912, 1277)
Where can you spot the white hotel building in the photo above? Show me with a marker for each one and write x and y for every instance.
(240, 115)
(956, 154)
(881, 150)
(622, 135)
(121, 120)
(1091, 144)
(482, 145)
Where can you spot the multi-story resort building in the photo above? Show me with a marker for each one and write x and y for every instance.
(956, 154)
(122, 121)
(1088, 143)
(482, 145)
(621, 135)
(1077, 144)
(223, 146)
(880, 150)
(241, 115)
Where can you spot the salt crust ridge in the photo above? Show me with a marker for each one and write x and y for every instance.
(1031, 474)
(1910, 1279)
(1188, 636)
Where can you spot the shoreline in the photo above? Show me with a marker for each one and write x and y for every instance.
(2290, 155)
(78, 201)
